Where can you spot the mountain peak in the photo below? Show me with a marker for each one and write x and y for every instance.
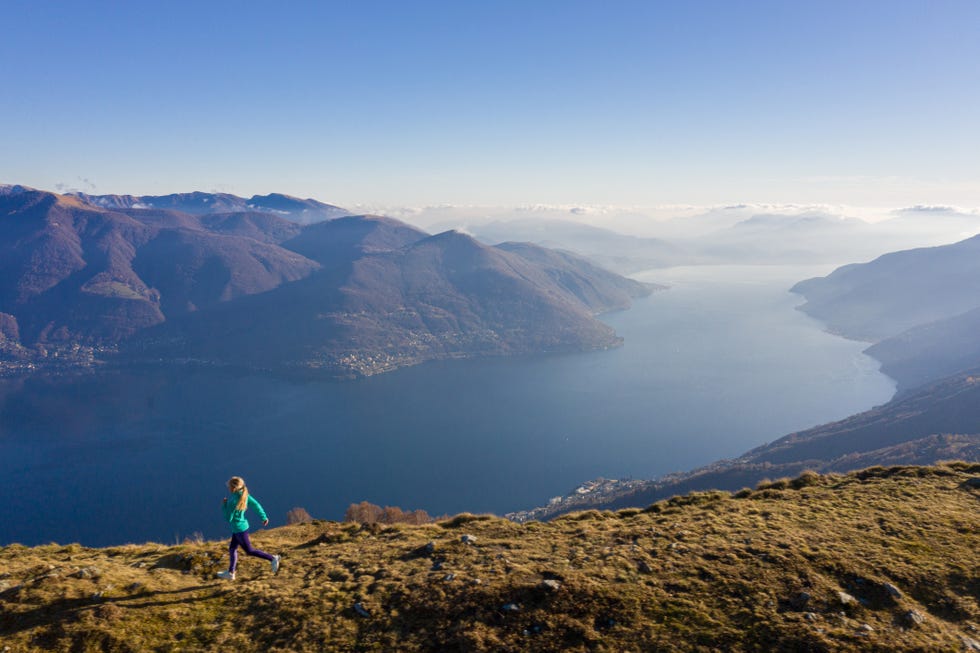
(13, 189)
(303, 211)
(454, 239)
(335, 242)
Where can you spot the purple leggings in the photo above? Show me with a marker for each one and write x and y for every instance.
(241, 540)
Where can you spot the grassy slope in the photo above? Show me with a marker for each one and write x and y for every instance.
(709, 571)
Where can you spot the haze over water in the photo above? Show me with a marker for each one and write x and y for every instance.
(717, 365)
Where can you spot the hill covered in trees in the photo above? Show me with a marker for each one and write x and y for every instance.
(220, 280)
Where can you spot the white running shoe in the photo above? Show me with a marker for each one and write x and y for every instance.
(227, 575)
(275, 564)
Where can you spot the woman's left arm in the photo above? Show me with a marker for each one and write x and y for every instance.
(254, 503)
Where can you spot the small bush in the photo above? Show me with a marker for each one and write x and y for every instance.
(196, 537)
(368, 513)
(298, 516)
(464, 518)
(767, 493)
(806, 479)
(418, 517)
(778, 484)
(697, 498)
(872, 472)
(628, 512)
(363, 513)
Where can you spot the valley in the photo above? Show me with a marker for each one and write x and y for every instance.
(709, 369)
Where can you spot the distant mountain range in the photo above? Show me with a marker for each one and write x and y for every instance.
(82, 277)
(794, 239)
(921, 307)
(616, 251)
(725, 237)
(303, 211)
(705, 241)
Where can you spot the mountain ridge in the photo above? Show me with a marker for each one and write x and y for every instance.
(77, 274)
(437, 297)
(895, 290)
(917, 308)
(84, 284)
(303, 211)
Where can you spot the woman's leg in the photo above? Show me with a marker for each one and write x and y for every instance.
(246, 545)
(233, 552)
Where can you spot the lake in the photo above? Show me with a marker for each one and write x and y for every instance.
(720, 363)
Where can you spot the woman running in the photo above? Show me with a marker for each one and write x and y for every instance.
(234, 512)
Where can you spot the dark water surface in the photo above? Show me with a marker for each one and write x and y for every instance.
(711, 368)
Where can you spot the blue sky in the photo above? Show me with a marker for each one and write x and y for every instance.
(496, 102)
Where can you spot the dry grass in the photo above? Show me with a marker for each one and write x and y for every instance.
(706, 572)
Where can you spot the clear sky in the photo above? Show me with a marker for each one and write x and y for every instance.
(495, 102)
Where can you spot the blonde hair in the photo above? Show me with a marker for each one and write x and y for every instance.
(236, 483)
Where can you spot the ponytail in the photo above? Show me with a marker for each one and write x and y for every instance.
(243, 501)
(236, 483)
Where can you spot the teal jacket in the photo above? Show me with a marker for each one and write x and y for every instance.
(237, 517)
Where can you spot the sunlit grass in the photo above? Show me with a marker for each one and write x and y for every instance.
(885, 558)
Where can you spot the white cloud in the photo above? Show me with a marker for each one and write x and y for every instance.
(924, 208)
(638, 220)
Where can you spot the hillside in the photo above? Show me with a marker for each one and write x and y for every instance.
(884, 559)
(895, 292)
(218, 279)
(602, 291)
(921, 307)
(389, 296)
(76, 275)
(931, 351)
(619, 252)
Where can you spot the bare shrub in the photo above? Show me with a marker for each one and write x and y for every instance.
(298, 516)
(197, 537)
(363, 513)
(391, 515)
(368, 513)
(418, 517)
